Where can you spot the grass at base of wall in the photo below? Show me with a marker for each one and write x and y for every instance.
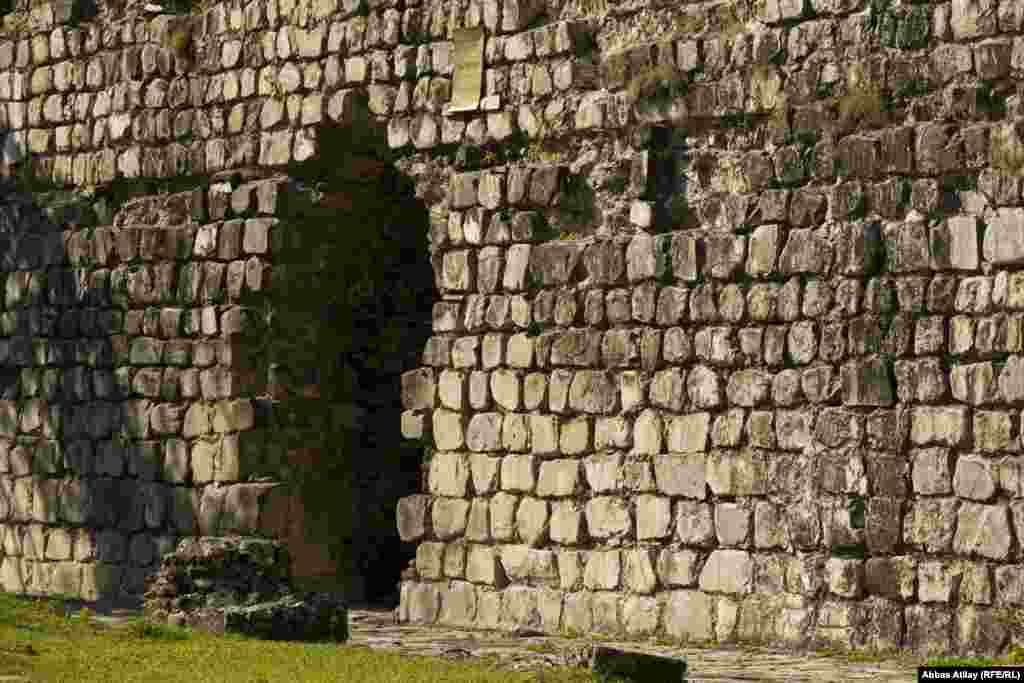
(1014, 658)
(39, 641)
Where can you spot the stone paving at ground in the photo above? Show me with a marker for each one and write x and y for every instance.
(377, 629)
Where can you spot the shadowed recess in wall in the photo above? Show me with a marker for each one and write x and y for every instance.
(133, 412)
(351, 313)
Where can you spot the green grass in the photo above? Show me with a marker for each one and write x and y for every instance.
(38, 640)
(1014, 657)
(965, 661)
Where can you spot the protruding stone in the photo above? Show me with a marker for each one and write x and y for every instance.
(413, 518)
(1004, 237)
(954, 244)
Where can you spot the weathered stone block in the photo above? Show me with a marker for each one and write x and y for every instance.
(484, 432)
(558, 477)
(429, 558)
(703, 384)
(532, 521)
(688, 433)
(608, 517)
(732, 523)
(677, 568)
(973, 383)
(567, 523)
(954, 244)
(736, 474)
(458, 604)
(929, 629)
(1004, 237)
(983, 530)
(694, 523)
(1011, 380)
(681, 475)
(891, 577)
(981, 630)
(805, 252)
(793, 429)
(554, 263)
(937, 581)
(749, 388)
(931, 471)
(942, 425)
(907, 246)
(448, 429)
(412, 517)
(543, 432)
(930, 524)
(844, 577)
(593, 391)
(483, 566)
(518, 473)
(974, 478)
(653, 517)
(728, 571)
(689, 616)
(522, 563)
(449, 474)
(604, 472)
(575, 436)
(449, 517)
(867, 383)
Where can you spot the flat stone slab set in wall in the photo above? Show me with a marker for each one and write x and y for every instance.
(240, 585)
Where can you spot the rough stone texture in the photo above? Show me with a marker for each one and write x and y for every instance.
(240, 585)
(802, 343)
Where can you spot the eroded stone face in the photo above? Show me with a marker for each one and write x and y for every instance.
(261, 566)
(764, 380)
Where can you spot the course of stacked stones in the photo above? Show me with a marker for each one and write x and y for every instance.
(798, 425)
(805, 455)
(240, 585)
(122, 421)
(772, 394)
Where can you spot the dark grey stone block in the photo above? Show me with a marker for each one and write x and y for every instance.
(636, 666)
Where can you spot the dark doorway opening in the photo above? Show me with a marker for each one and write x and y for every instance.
(375, 291)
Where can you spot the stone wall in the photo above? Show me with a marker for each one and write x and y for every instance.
(777, 401)
(133, 414)
(127, 421)
(726, 346)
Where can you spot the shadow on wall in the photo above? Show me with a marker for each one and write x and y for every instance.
(110, 334)
(84, 508)
(74, 11)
